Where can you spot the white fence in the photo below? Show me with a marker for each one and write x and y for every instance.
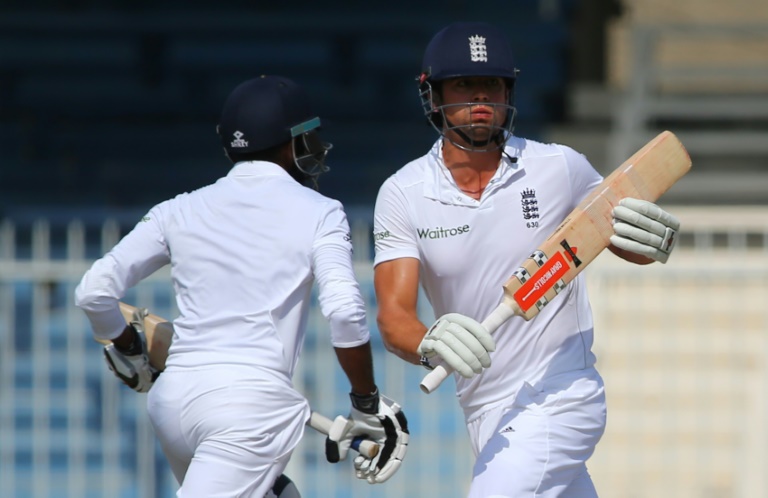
(683, 348)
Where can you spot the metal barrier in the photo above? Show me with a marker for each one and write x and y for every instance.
(683, 349)
(69, 429)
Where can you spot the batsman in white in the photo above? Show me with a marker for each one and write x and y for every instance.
(244, 254)
(459, 220)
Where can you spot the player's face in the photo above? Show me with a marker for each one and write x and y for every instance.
(468, 101)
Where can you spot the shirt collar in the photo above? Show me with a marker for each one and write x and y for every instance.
(256, 168)
(440, 185)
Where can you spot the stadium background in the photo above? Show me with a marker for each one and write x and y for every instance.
(108, 107)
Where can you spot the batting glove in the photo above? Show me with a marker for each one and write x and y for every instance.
(377, 418)
(644, 228)
(131, 365)
(459, 341)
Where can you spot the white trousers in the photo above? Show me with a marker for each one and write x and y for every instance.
(227, 432)
(538, 446)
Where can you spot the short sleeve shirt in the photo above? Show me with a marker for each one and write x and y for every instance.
(469, 248)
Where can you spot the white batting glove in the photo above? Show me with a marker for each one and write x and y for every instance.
(461, 342)
(377, 418)
(132, 366)
(644, 228)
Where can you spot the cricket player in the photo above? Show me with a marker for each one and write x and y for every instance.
(244, 254)
(459, 220)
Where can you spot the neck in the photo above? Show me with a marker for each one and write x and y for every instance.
(470, 170)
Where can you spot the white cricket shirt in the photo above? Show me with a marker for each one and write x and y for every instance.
(469, 248)
(244, 253)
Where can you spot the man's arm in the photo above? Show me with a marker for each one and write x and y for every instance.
(396, 283)
(458, 340)
(373, 416)
(357, 363)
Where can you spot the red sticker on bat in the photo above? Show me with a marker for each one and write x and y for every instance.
(540, 282)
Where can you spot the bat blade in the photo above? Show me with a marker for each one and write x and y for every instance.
(586, 231)
(583, 235)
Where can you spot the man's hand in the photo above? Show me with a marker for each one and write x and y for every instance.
(644, 228)
(377, 418)
(459, 341)
(131, 365)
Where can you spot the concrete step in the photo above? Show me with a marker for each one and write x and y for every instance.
(741, 179)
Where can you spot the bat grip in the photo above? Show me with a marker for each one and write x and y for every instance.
(365, 447)
(499, 315)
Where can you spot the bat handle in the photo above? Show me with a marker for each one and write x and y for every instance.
(365, 447)
(433, 379)
(499, 315)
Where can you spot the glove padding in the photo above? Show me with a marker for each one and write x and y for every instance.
(387, 426)
(644, 228)
(132, 366)
(461, 342)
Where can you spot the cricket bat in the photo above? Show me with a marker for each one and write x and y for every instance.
(583, 234)
(159, 333)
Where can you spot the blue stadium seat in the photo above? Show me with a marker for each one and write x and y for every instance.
(97, 96)
(110, 98)
(68, 54)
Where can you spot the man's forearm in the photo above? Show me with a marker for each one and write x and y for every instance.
(357, 363)
(403, 338)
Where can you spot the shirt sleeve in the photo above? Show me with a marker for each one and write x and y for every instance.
(139, 254)
(393, 232)
(341, 302)
(583, 176)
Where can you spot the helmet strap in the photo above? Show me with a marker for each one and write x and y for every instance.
(497, 138)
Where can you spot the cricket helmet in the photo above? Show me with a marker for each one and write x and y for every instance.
(467, 49)
(268, 111)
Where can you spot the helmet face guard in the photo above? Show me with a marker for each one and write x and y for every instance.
(309, 152)
(497, 134)
(466, 50)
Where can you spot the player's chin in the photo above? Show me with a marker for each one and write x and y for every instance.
(479, 132)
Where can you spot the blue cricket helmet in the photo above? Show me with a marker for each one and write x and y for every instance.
(468, 49)
(264, 112)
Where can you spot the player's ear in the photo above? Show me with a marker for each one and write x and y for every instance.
(226, 153)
